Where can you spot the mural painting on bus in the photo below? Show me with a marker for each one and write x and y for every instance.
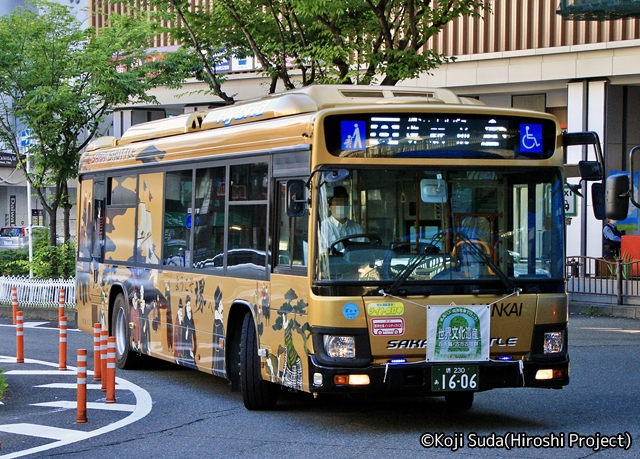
(286, 365)
(148, 237)
(143, 303)
(185, 343)
(84, 272)
(262, 307)
(217, 360)
(104, 307)
(151, 154)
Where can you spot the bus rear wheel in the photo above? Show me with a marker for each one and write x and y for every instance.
(257, 394)
(126, 358)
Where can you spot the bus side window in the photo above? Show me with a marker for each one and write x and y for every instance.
(208, 242)
(246, 254)
(177, 218)
(293, 244)
(97, 224)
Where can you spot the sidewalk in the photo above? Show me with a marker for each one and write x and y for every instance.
(48, 314)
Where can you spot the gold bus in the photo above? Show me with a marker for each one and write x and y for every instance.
(333, 239)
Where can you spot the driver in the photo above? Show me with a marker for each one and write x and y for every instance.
(337, 225)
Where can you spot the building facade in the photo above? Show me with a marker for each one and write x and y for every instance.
(522, 54)
(14, 196)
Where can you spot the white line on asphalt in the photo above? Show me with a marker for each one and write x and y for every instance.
(34, 324)
(54, 433)
(72, 405)
(38, 326)
(67, 372)
(73, 386)
(142, 408)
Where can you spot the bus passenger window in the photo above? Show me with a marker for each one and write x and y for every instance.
(177, 218)
(249, 182)
(246, 254)
(293, 247)
(208, 243)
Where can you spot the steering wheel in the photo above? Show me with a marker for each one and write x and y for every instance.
(373, 239)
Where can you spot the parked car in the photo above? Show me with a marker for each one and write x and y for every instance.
(13, 237)
(17, 237)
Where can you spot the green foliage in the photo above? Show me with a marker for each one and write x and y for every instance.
(59, 79)
(15, 262)
(44, 256)
(304, 42)
(3, 384)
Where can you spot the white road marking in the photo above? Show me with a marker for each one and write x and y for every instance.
(67, 372)
(34, 324)
(72, 405)
(73, 386)
(38, 325)
(141, 409)
(54, 433)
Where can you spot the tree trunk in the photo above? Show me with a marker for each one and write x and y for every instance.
(52, 211)
(67, 213)
(67, 235)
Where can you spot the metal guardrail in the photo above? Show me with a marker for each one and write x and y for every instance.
(39, 293)
(616, 278)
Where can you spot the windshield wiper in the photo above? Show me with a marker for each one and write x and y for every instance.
(417, 261)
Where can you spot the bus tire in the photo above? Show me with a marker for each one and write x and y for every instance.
(257, 394)
(126, 358)
(459, 401)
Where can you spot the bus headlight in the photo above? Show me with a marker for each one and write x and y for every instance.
(553, 342)
(342, 347)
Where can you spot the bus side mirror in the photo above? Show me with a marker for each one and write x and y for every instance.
(597, 200)
(590, 170)
(296, 198)
(617, 202)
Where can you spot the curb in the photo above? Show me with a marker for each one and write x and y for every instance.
(600, 309)
(48, 314)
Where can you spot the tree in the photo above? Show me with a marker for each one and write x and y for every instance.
(59, 80)
(303, 42)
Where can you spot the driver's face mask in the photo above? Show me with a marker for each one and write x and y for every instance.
(341, 211)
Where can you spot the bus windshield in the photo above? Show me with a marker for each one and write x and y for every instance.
(402, 226)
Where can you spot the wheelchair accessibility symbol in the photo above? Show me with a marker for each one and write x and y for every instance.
(531, 138)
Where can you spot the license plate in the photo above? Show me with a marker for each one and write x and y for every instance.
(446, 378)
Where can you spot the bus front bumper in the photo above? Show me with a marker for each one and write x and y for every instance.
(415, 378)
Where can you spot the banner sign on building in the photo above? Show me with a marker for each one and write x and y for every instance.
(12, 210)
(8, 159)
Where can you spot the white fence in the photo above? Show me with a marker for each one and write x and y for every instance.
(38, 293)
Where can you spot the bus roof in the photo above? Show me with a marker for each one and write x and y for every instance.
(309, 99)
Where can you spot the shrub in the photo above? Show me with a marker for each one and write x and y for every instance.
(3, 384)
(15, 262)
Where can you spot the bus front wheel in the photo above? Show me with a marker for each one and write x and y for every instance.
(126, 358)
(257, 394)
